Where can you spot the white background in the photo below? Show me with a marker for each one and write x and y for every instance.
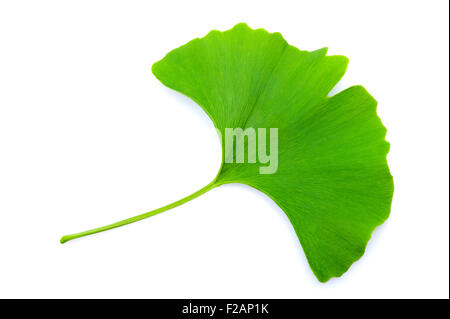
(88, 136)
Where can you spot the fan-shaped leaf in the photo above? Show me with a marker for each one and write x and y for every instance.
(330, 176)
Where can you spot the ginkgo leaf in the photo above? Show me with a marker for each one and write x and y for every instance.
(331, 176)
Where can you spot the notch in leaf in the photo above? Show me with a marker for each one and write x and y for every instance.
(332, 179)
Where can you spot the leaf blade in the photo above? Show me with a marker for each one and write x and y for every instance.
(333, 180)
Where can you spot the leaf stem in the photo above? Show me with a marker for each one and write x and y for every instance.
(127, 221)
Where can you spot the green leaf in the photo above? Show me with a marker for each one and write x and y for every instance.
(331, 177)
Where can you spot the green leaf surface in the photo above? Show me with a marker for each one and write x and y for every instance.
(332, 179)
